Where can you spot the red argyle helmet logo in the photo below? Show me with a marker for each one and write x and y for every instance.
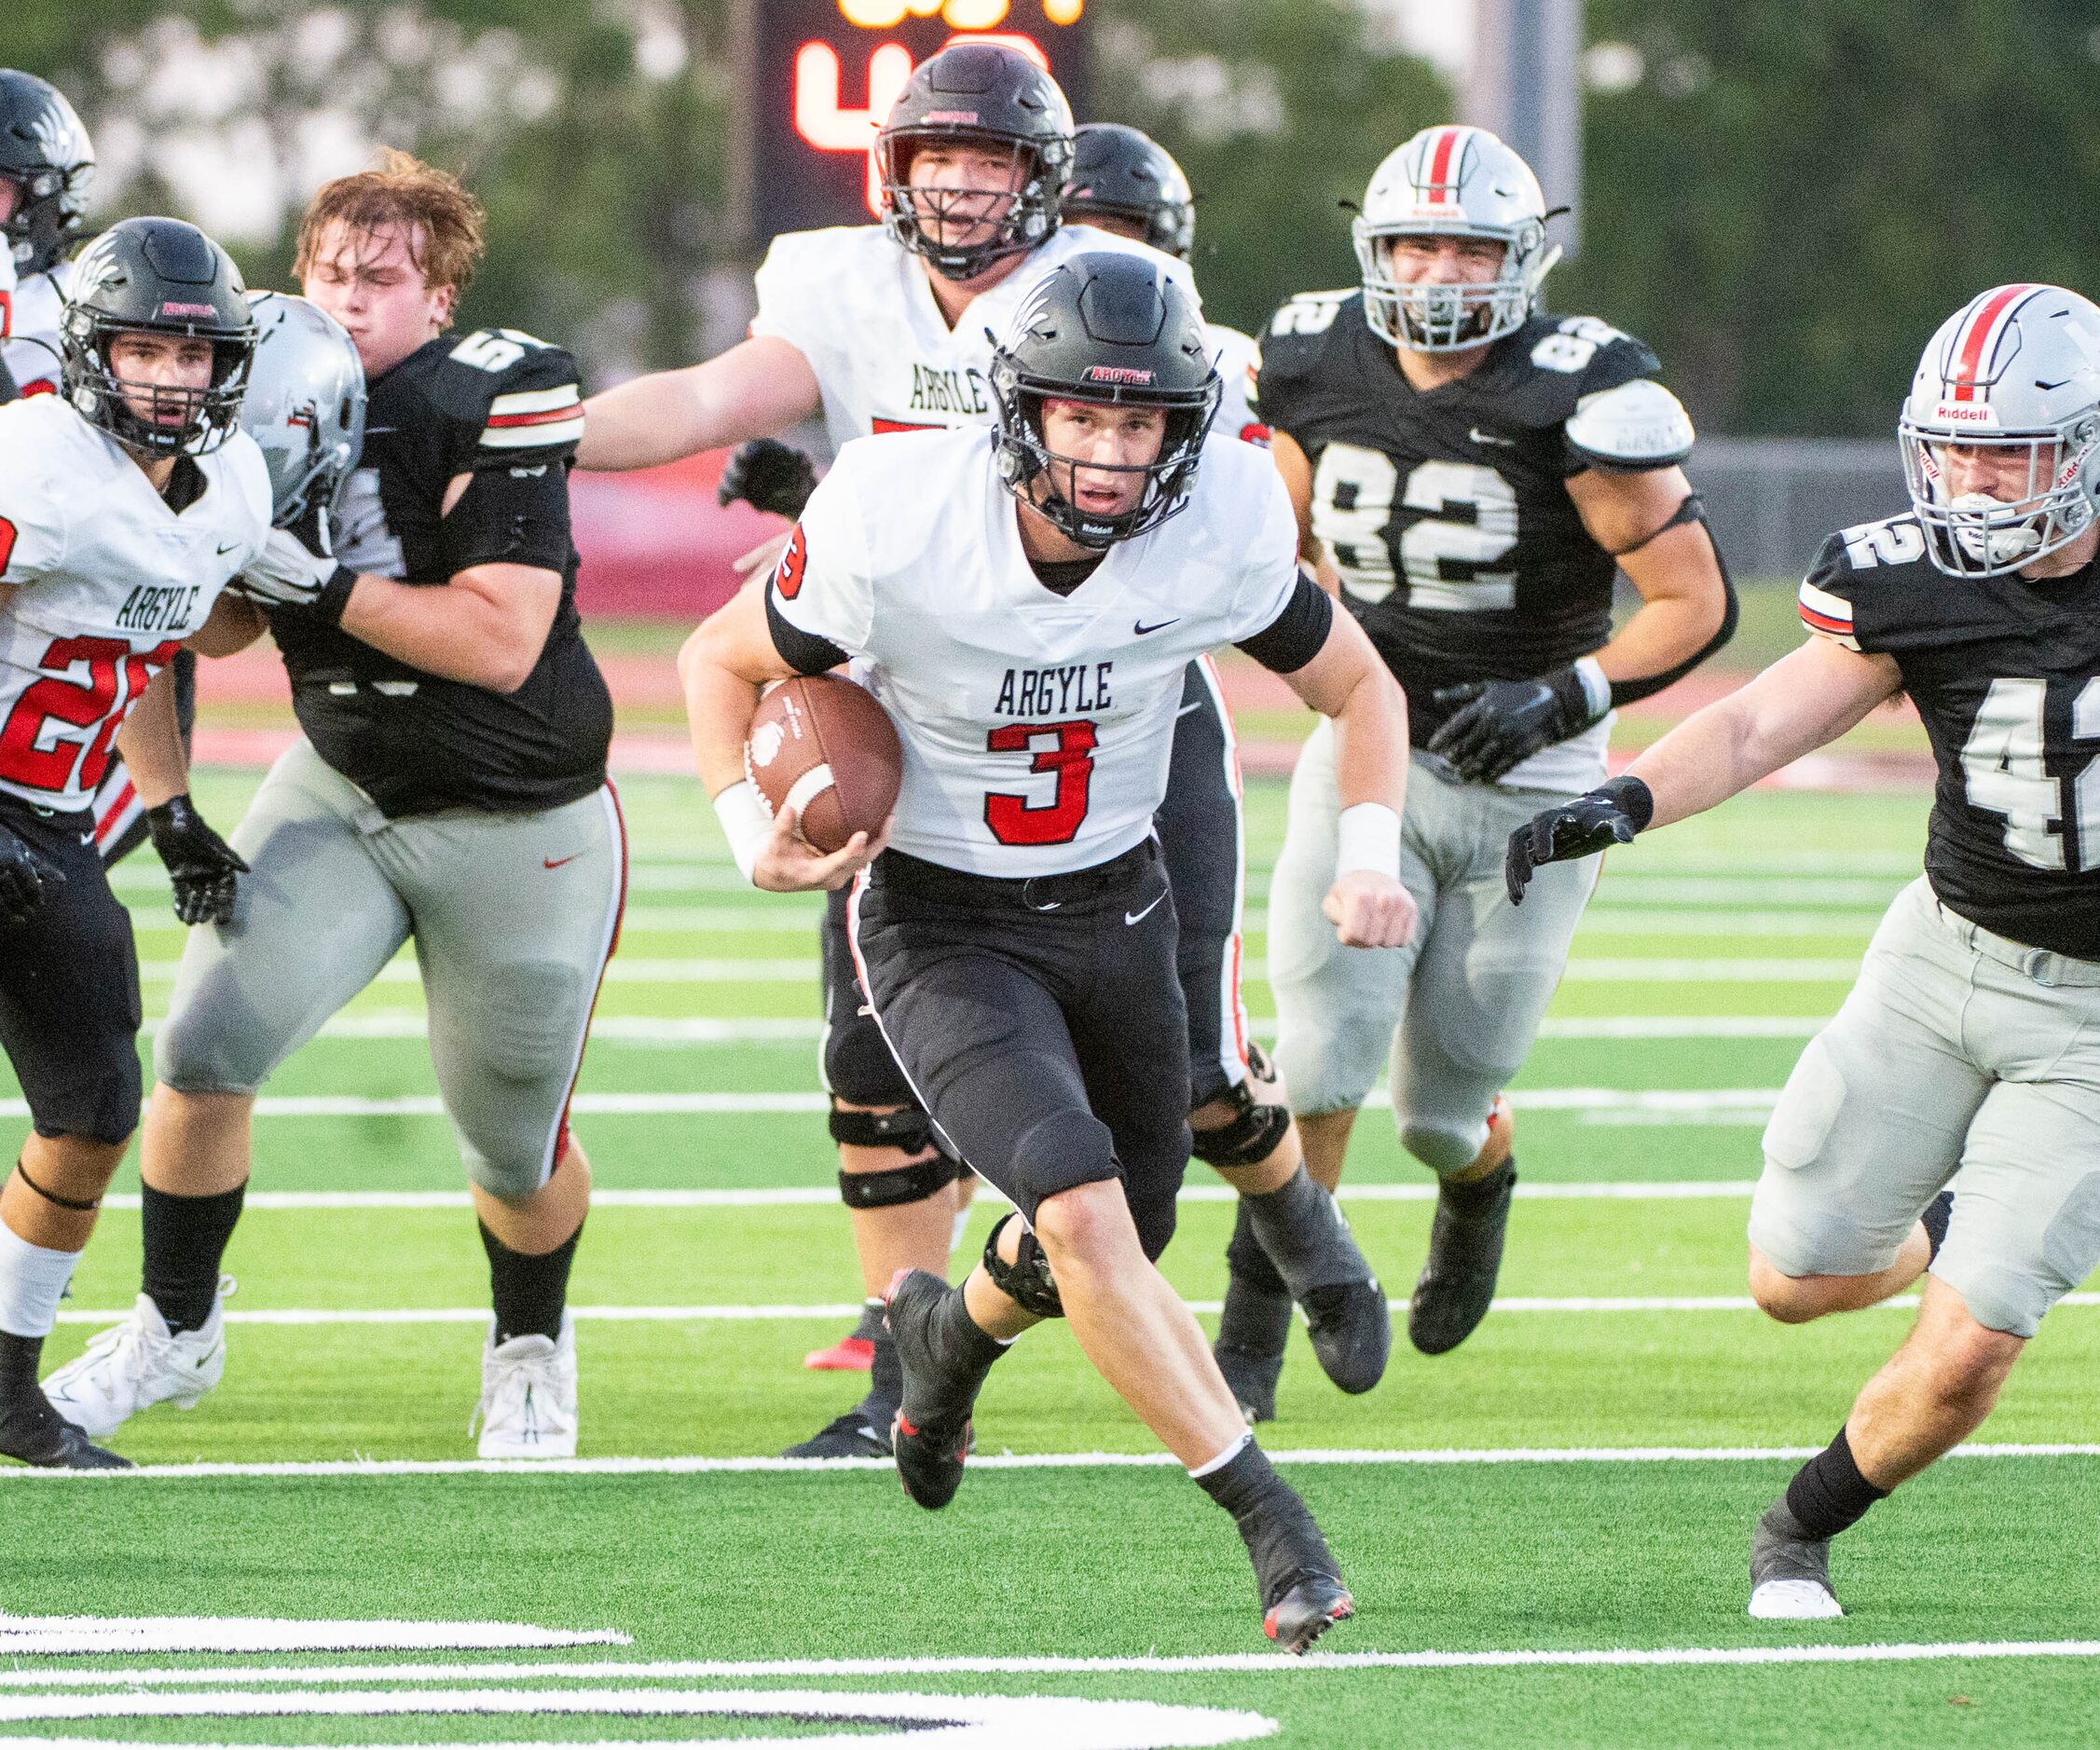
(171, 308)
(1117, 373)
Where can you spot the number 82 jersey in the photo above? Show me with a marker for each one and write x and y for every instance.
(1447, 511)
(2005, 672)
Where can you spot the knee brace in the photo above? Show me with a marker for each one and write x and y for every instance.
(899, 1185)
(1247, 1139)
(908, 1128)
(1026, 1281)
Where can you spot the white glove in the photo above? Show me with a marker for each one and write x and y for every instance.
(290, 573)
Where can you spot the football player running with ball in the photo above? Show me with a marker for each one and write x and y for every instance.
(1017, 938)
(127, 500)
(1476, 471)
(887, 329)
(1971, 1042)
(450, 787)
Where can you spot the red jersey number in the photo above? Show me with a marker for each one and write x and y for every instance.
(73, 703)
(1016, 820)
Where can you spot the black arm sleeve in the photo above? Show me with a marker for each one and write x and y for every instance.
(803, 651)
(1626, 692)
(1294, 638)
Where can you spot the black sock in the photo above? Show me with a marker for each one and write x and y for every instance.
(1827, 1493)
(185, 1241)
(23, 1407)
(1300, 1226)
(871, 1328)
(885, 1377)
(1258, 1304)
(1937, 1215)
(1477, 1197)
(528, 1292)
(964, 1354)
(1275, 1524)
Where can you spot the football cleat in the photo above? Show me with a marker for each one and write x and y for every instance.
(1310, 1606)
(930, 1453)
(857, 1434)
(1352, 1331)
(1790, 1570)
(1457, 1284)
(930, 1460)
(854, 1354)
(139, 1364)
(527, 1407)
(1253, 1377)
(34, 1432)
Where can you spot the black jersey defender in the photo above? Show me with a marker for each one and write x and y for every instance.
(1446, 509)
(2006, 673)
(501, 409)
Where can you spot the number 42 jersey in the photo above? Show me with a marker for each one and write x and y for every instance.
(2005, 672)
(1446, 509)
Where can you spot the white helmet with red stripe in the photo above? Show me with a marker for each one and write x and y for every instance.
(1452, 182)
(2002, 431)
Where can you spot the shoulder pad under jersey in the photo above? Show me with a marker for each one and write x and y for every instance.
(1636, 425)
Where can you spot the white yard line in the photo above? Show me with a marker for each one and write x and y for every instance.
(390, 1467)
(789, 1311)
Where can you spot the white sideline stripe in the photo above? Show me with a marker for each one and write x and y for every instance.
(1662, 1101)
(628, 969)
(773, 1196)
(387, 1468)
(730, 1314)
(42, 1637)
(705, 1029)
(614, 1670)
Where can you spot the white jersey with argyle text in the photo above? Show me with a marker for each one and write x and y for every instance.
(106, 583)
(858, 306)
(1036, 727)
(28, 329)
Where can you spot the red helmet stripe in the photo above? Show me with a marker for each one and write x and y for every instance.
(1970, 349)
(1440, 156)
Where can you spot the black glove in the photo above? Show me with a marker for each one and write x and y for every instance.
(202, 865)
(1498, 723)
(768, 475)
(23, 876)
(1609, 815)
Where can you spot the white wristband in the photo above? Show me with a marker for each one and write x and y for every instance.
(746, 822)
(1368, 836)
(1597, 686)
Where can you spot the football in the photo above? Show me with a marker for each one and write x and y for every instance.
(822, 746)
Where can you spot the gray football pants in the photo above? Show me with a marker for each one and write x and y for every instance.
(514, 917)
(1458, 1007)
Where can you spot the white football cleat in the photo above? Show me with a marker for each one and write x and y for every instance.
(131, 1366)
(1794, 1601)
(527, 1407)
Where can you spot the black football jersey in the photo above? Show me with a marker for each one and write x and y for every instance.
(1447, 511)
(2006, 674)
(503, 410)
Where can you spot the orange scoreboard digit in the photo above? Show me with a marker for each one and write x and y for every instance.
(828, 72)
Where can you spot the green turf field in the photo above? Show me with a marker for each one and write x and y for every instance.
(1545, 1530)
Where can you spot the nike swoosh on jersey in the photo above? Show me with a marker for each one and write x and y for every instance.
(1478, 436)
(1139, 626)
(556, 862)
(227, 548)
(1139, 917)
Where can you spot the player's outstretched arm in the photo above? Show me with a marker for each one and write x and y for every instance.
(1348, 682)
(757, 388)
(723, 667)
(1804, 701)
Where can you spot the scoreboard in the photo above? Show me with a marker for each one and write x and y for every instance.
(826, 72)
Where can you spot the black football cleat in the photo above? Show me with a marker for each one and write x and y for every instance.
(1457, 1285)
(1253, 1376)
(1352, 1331)
(931, 1434)
(1310, 1605)
(862, 1432)
(1790, 1570)
(38, 1435)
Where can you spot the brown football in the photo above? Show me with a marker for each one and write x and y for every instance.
(823, 746)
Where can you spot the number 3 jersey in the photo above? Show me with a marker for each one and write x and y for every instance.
(467, 449)
(2005, 672)
(108, 579)
(1446, 509)
(1036, 727)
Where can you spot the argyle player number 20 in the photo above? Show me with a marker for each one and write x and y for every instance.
(1017, 939)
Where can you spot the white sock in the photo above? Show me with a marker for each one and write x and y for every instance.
(1224, 1458)
(32, 1282)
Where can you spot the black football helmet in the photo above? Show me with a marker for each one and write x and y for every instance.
(981, 93)
(1107, 326)
(1120, 173)
(45, 152)
(165, 277)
